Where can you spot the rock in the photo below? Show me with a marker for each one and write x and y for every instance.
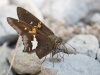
(98, 55)
(25, 63)
(30, 6)
(4, 2)
(96, 30)
(71, 11)
(7, 11)
(96, 18)
(77, 30)
(72, 65)
(85, 44)
(80, 24)
(88, 29)
(3, 61)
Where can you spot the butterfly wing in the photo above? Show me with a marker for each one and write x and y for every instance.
(27, 17)
(18, 25)
(44, 44)
(44, 47)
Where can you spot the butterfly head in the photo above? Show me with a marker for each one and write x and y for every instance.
(58, 40)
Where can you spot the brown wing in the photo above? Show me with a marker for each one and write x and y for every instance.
(44, 44)
(19, 25)
(27, 17)
(44, 47)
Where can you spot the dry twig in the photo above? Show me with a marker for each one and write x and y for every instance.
(14, 55)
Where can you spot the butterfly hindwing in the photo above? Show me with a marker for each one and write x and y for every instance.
(27, 17)
(44, 46)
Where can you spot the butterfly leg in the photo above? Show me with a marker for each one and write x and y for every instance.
(30, 45)
(57, 54)
(58, 50)
(25, 49)
(51, 55)
(44, 59)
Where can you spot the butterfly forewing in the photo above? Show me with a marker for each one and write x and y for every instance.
(18, 25)
(27, 17)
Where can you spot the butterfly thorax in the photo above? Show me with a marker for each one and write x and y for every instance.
(55, 39)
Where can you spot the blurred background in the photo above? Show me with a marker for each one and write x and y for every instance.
(65, 18)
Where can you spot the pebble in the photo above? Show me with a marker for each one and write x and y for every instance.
(69, 10)
(72, 65)
(95, 18)
(98, 55)
(85, 44)
(24, 62)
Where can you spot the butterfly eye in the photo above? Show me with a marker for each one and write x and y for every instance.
(58, 40)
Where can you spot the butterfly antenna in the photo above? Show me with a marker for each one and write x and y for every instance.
(69, 45)
(18, 42)
(57, 53)
(72, 47)
(64, 49)
(62, 53)
(63, 57)
(44, 59)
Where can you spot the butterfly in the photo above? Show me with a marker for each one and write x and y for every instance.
(28, 26)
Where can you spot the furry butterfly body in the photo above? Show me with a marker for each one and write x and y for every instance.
(27, 26)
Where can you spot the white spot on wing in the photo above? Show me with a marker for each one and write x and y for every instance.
(34, 43)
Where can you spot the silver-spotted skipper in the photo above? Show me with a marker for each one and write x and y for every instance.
(28, 26)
